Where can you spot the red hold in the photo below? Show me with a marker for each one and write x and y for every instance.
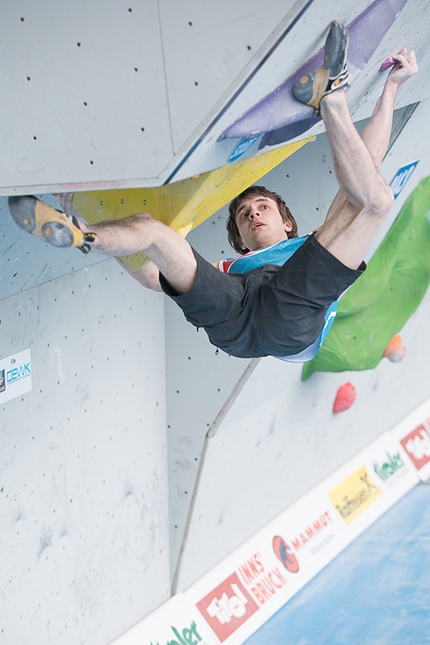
(345, 397)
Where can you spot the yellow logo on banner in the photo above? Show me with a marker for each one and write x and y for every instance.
(354, 495)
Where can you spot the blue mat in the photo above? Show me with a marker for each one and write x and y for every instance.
(377, 591)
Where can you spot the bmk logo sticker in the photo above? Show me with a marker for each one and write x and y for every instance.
(417, 445)
(227, 607)
(15, 375)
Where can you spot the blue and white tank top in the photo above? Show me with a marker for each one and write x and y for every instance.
(278, 254)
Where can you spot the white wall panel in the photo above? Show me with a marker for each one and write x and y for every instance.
(120, 94)
(83, 93)
(207, 45)
(83, 461)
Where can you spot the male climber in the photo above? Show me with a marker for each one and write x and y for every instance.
(278, 296)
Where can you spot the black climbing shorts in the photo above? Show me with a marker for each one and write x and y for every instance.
(269, 311)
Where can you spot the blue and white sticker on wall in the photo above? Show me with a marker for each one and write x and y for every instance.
(15, 375)
(242, 147)
(401, 177)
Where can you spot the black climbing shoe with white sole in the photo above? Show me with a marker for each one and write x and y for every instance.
(331, 76)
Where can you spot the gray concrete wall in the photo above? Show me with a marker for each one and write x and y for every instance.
(83, 460)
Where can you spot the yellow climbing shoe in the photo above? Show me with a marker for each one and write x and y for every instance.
(48, 224)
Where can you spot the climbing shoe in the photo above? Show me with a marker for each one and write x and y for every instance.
(48, 224)
(331, 76)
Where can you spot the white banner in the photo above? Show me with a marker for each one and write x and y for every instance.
(177, 622)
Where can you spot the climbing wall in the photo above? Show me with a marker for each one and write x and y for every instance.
(112, 492)
(106, 94)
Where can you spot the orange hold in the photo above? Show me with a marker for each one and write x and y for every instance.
(345, 397)
(395, 350)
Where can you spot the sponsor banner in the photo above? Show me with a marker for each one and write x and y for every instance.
(417, 446)
(243, 591)
(354, 495)
(15, 375)
(177, 622)
(390, 466)
(227, 607)
(249, 586)
(413, 434)
(370, 483)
